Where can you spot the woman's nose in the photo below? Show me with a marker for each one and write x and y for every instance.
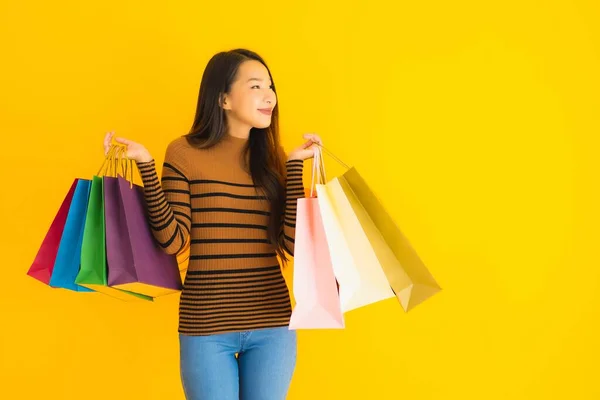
(270, 99)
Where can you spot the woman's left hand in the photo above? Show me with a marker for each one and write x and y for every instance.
(306, 150)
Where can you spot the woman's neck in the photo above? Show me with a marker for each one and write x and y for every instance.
(238, 130)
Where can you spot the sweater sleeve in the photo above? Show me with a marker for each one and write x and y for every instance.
(168, 201)
(294, 189)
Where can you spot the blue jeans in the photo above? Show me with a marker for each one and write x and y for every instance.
(262, 370)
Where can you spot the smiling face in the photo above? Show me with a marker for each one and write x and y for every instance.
(251, 99)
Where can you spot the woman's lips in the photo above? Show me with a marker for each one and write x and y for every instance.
(266, 111)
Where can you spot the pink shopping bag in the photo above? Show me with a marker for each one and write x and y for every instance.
(315, 287)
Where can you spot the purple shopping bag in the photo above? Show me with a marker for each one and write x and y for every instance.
(135, 260)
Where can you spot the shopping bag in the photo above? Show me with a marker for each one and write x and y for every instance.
(93, 271)
(355, 265)
(136, 262)
(67, 263)
(43, 264)
(408, 276)
(314, 284)
(406, 273)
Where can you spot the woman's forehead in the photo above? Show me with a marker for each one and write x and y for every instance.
(253, 70)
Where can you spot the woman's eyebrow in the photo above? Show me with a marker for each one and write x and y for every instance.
(255, 79)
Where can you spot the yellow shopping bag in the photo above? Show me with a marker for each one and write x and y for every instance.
(406, 273)
(356, 267)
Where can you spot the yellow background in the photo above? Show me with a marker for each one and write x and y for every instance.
(476, 123)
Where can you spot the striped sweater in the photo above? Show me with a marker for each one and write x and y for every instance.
(234, 280)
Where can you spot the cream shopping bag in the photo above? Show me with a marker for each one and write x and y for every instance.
(406, 273)
(355, 264)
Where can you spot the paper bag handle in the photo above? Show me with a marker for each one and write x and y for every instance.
(333, 156)
(126, 165)
(318, 171)
(109, 162)
(116, 161)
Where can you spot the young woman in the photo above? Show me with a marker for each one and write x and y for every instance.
(228, 186)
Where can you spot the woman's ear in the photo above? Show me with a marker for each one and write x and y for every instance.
(224, 102)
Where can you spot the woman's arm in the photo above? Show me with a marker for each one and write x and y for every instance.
(294, 190)
(168, 200)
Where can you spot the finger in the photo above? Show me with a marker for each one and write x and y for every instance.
(313, 138)
(123, 141)
(107, 140)
(307, 144)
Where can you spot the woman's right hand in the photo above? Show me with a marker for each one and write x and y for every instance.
(134, 151)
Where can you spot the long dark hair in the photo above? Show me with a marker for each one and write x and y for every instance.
(266, 160)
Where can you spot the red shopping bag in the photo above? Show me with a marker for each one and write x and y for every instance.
(43, 264)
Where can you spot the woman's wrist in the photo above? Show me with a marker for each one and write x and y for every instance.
(144, 158)
(293, 157)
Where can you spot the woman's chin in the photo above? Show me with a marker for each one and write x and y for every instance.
(262, 124)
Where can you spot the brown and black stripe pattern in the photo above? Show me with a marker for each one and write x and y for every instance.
(234, 279)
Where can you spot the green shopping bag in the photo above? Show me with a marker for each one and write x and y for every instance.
(93, 271)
